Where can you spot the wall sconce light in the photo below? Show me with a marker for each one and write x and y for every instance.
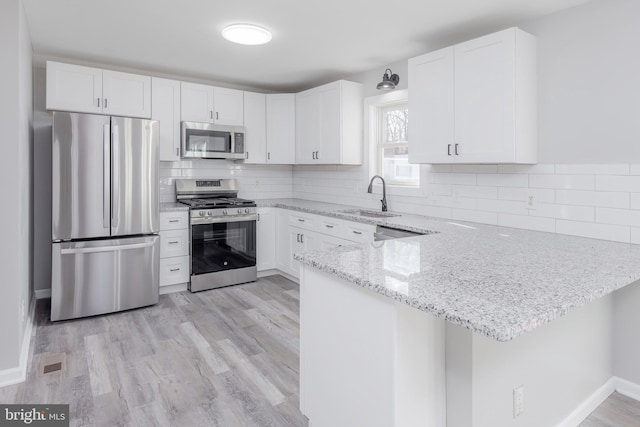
(389, 80)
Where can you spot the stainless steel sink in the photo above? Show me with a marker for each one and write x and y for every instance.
(369, 213)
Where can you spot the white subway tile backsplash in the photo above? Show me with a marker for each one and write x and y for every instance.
(618, 216)
(439, 190)
(629, 184)
(634, 169)
(527, 222)
(575, 213)
(593, 198)
(503, 206)
(596, 231)
(635, 201)
(635, 236)
(543, 169)
(455, 202)
(474, 216)
(455, 178)
(474, 168)
(504, 180)
(541, 195)
(573, 182)
(603, 169)
(476, 191)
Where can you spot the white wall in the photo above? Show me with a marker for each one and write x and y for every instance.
(16, 139)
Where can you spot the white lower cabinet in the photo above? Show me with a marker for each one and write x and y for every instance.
(174, 248)
(266, 239)
(300, 232)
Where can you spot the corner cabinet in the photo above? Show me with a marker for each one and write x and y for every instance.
(165, 108)
(93, 90)
(475, 102)
(281, 128)
(209, 104)
(255, 138)
(329, 124)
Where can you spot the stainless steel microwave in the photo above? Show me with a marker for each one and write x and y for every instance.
(209, 141)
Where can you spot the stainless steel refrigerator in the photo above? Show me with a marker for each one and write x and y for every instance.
(105, 214)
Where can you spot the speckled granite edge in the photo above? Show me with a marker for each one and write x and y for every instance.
(488, 329)
(392, 222)
(173, 207)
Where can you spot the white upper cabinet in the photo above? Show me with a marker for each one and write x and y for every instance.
(126, 94)
(228, 107)
(165, 107)
(93, 90)
(209, 104)
(255, 116)
(475, 102)
(281, 128)
(329, 124)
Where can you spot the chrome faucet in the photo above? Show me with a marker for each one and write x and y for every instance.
(384, 191)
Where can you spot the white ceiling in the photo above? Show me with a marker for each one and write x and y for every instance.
(314, 41)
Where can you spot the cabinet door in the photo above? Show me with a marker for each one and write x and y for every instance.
(174, 243)
(165, 108)
(74, 88)
(126, 94)
(484, 98)
(330, 144)
(266, 239)
(255, 127)
(228, 105)
(307, 126)
(431, 98)
(196, 102)
(281, 128)
(174, 270)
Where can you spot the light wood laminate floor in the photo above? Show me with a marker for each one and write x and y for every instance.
(226, 357)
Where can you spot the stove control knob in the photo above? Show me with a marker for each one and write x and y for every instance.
(246, 210)
(201, 213)
(240, 211)
(224, 212)
(209, 213)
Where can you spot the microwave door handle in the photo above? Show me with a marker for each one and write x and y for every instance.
(115, 171)
(106, 175)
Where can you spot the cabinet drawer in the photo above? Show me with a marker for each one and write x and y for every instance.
(174, 220)
(332, 226)
(174, 243)
(303, 220)
(174, 270)
(359, 232)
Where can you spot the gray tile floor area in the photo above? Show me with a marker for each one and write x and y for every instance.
(226, 357)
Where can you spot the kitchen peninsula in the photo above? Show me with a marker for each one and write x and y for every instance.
(471, 312)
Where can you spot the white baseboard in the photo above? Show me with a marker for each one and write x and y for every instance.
(43, 293)
(169, 289)
(19, 373)
(627, 388)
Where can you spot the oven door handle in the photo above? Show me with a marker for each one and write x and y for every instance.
(222, 219)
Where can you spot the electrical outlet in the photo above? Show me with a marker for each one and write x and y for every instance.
(518, 401)
(531, 202)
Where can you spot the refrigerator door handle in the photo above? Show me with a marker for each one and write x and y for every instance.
(106, 175)
(115, 175)
(112, 248)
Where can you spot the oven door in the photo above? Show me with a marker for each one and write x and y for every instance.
(223, 252)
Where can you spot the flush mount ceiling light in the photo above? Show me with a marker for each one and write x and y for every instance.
(248, 34)
(389, 80)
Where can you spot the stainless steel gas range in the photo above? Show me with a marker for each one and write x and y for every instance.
(223, 233)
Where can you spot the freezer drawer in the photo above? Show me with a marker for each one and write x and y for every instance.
(104, 276)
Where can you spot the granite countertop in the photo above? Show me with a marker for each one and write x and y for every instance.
(173, 207)
(497, 281)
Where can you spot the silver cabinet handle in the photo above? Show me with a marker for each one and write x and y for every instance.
(456, 149)
(106, 175)
(313, 155)
(298, 237)
(175, 242)
(357, 232)
(174, 269)
(211, 114)
(448, 149)
(268, 156)
(174, 221)
(302, 238)
(105, 103)
(328, 226)
(98, 102)
(317, 155)
(258, 217)
(246, 155)
(217, 115)
(178, 152)
(300, 220)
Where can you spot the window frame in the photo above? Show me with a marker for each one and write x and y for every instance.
(381, 146)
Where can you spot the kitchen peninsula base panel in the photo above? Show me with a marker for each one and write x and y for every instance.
(366, 359)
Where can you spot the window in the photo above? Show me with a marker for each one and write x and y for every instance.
(392, 145)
